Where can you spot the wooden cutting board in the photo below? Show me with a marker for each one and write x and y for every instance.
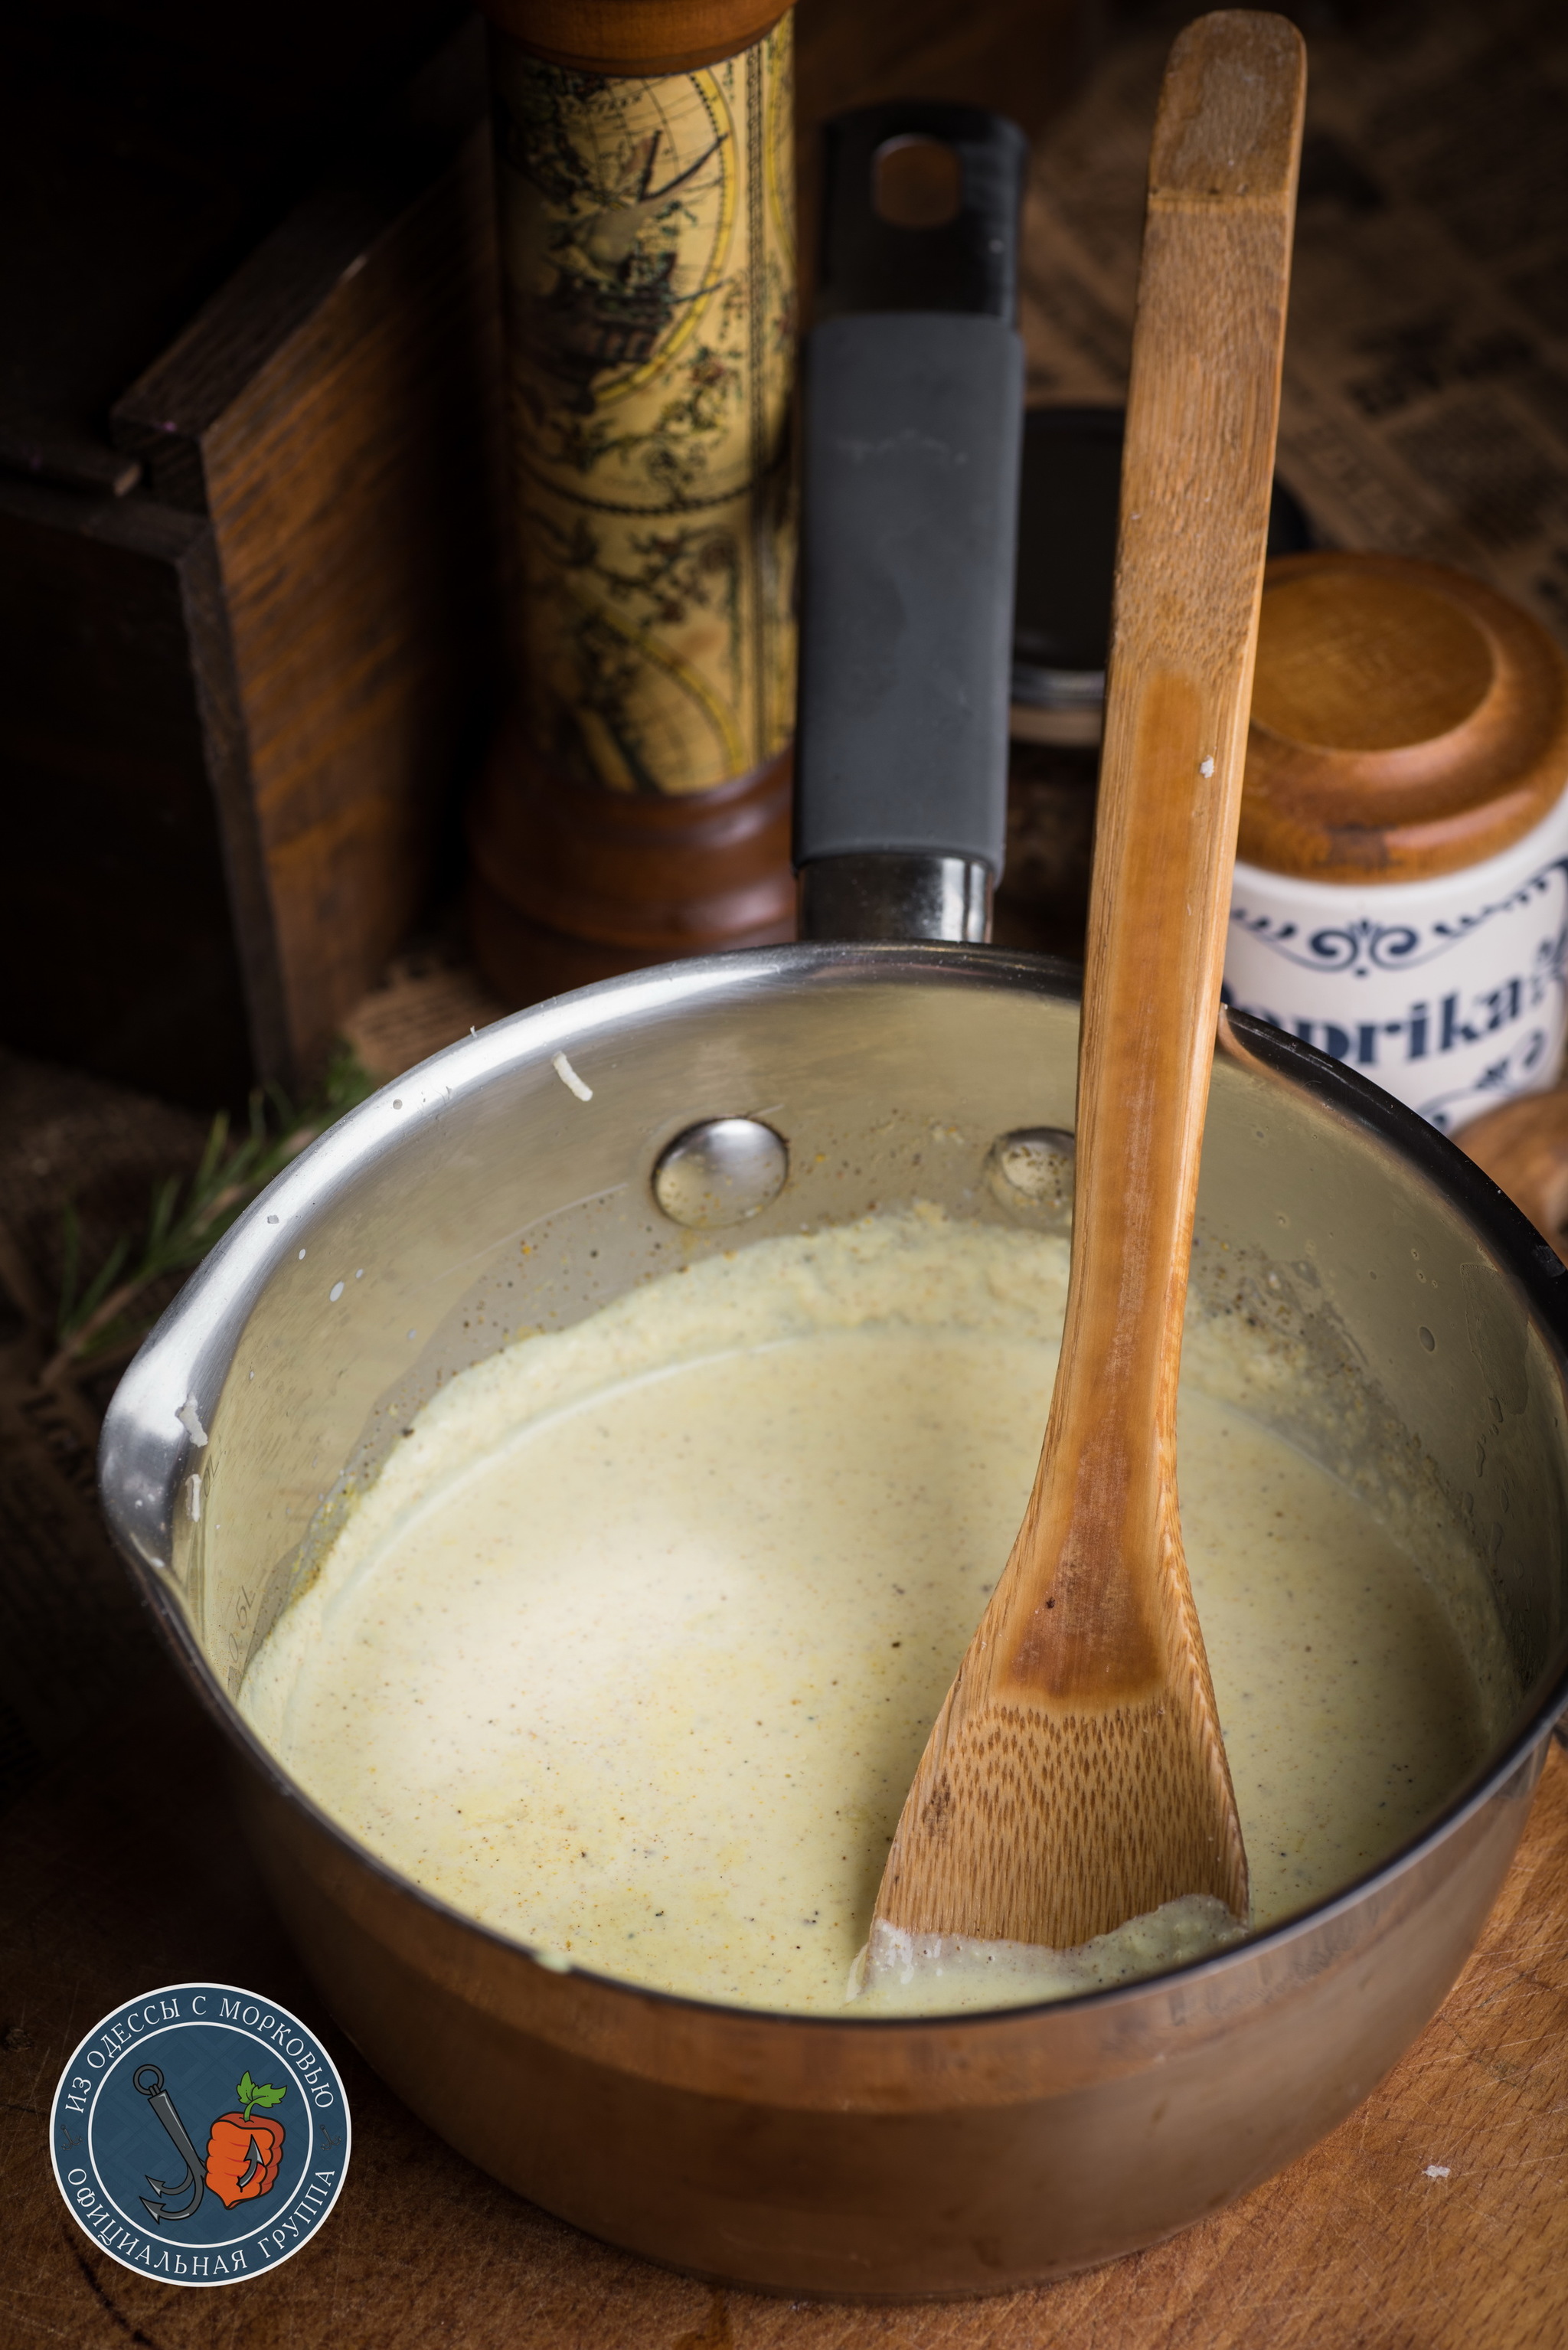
(1435, 2219)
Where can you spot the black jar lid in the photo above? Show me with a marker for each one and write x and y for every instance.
(1067, 507)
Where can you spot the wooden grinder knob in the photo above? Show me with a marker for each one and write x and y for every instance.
(1406, 720)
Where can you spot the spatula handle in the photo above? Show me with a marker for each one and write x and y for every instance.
(1076, 1776)
(1202, 412)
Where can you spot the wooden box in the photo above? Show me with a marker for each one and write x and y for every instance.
(242, 698)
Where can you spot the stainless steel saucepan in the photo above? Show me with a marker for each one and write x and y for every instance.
(1424, 1323)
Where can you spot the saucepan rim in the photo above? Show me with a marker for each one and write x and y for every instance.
(1518, 1249)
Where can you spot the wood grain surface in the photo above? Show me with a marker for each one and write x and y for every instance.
(124, 1869)
(1523, 1146)
(335, 411)
(1076, 1775)
(1406, 720)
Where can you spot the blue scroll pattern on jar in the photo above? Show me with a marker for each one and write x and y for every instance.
(1450, 992)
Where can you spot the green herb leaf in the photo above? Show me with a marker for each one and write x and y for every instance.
(251, 2093)
(107, 1315)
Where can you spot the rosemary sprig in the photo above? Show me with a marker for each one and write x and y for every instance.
(185, 1220)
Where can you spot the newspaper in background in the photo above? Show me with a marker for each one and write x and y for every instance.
(427, 1001)
(1426, 387)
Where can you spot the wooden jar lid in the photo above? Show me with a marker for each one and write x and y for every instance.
(1406, 720)
(634, 37)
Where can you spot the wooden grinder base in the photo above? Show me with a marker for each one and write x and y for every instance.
(573, 882)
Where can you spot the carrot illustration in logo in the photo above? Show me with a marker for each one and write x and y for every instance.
(244, 2153)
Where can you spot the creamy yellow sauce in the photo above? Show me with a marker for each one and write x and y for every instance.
(632, 1647)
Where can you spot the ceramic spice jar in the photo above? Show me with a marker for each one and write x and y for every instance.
(1401, 893)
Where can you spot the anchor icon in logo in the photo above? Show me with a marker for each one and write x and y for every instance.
(243, 2154)
(148, 2080)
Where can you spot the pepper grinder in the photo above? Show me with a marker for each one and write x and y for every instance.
(1401, 891)
(636, 802)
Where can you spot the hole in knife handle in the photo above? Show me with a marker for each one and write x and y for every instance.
(916, 183)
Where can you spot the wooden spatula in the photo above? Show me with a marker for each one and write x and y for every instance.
(1076, 1777)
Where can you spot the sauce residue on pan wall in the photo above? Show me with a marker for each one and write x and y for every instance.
(632, 1647)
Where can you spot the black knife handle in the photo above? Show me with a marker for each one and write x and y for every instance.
(913, 425)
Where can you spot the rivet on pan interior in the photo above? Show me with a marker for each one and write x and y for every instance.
(1033, 1168)
(720, 1172)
